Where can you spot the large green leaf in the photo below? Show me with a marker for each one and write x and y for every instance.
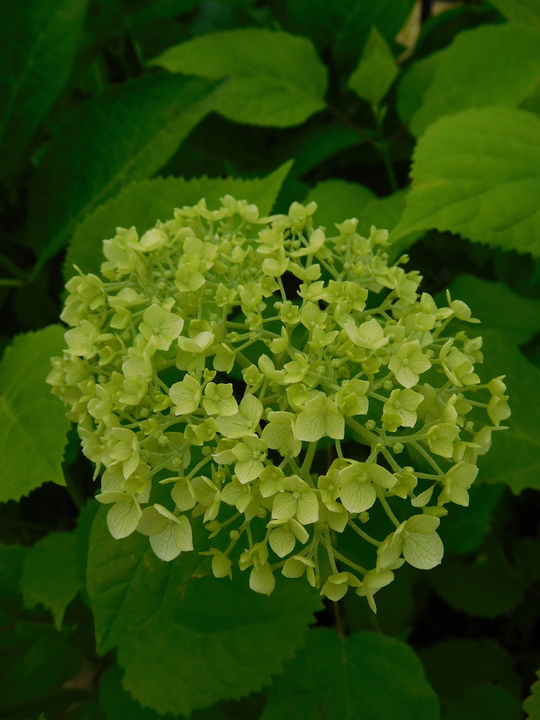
(126, 133)
(33, 422)
(486, 586)
(39, 39)
(532, 703)
(466, 527)
(11, 562)
(498, 308)
(320, 144)
(478, 174)
(366, 676)
(117, 703)
(522, 11)
(218, 641)
(275, 79)
(473, 72)
(454, 666)
(142, 203)
(344, 25)
(514, 457)
(376, 70)
(196, 633)
(51, 574)
(484, 700)
(35, 663)
(507, 320)
(339, 200)
(126, 582)
(414, 84)
(474, 679)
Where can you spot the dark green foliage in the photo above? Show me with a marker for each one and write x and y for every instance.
(113, 113)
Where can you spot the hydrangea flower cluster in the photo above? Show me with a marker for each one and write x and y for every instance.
(268, 379)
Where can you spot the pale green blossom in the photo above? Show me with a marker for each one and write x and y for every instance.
(286, 421)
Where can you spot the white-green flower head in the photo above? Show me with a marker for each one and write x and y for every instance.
(281, 385)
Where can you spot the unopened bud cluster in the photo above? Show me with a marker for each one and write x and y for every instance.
(278, 384)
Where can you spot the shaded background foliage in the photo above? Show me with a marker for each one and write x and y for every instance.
(421, 119)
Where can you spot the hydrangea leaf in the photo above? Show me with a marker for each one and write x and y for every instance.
(263, 89)
(51, 574)
(532, 703)
(344, 25)
(472, 72)
(376, 70)
(40, 662)
(457, 665)
(474, 678)
(126, 582)
(26, 648)
(477, 174)
(468, 526)
(33, 421)
(39, 40)
(200, 645)
(169, 615)
(339, 199)
(414, 83)
(126, 133)
(320, 144)
(117, 703)
(514, 458)
(522, 11)
(486, 588)
(11, 563)
(499, 308)
(332, 677)
(484, 700)
(141, 203)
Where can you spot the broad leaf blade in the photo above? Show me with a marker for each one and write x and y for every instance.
(473, 72)
(126, 583)
(39, 40)
(522, 11)
(275, 79)
(143, 203)
(498, 308)
(532, 703)
(339, 200)
(478, 174)
(127, 133)
(487, 587)
(33, 421)
(36, 663)
(196, 632)
(51, 574)
(344, 25)
(367, 676)
(117, 703)
(514, 458)
(467, 527)
(473, 678)
(11, 563)
(376, 70)
(218, 641)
